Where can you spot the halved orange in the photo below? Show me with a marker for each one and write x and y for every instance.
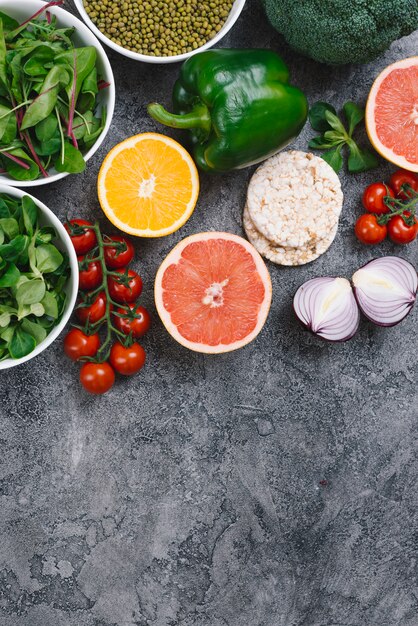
(392, 114)
(213, 292)
(148, 185)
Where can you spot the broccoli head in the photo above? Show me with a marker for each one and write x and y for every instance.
(342, 31)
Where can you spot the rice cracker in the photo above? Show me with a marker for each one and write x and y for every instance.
(285, 255)
(295, 199)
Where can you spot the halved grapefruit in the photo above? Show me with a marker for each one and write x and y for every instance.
(213, 292)
(392, 114)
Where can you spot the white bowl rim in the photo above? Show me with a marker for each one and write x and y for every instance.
(72, 297)
(237, 7)
(110, 106)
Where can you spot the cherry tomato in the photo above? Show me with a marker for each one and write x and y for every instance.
(113, 257)
(399, 232)
(77, 344)
(95, 311)
(86, 241)
(138, 326)
(97, 377)
(373, 198)
(91, 277)
(127, 361)
(122, 293)
(368, 230)
(401, 177)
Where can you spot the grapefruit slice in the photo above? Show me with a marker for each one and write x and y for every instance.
(392, 114)
(148, 185)
(213, 292)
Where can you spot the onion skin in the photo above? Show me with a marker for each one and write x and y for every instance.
(408, 281)
(316, 298)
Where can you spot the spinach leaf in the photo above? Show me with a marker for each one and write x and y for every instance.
(29, 214)
(48, 258)
(334, 158)
(73, 162)
(354, 115)
(45, 235)
(50, 305)
(30, 292)
(10, 276)
(361, 160)
(10, 227)
(11, 251)
(34, 329)
(89, 91)
(317, 116)
(21, 344)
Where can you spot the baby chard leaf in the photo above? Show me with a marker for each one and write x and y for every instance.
(17, 171)
(44, 104)
(73, 161)
(47, 128)
(21, 344)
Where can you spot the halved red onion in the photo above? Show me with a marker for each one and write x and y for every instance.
(386, 289)
(327, 307)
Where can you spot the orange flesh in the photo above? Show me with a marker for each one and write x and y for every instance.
(152, 163)
(228, 312)
(396, 112)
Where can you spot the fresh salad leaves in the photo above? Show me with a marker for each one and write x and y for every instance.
(33, 275)
(48, 97)
(335, 137)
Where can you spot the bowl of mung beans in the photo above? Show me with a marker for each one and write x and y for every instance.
(160, 31)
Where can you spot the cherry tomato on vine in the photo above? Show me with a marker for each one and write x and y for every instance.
(125, 293)
(368, 230)
(373, 198)
(97, 378)
(77, 344)
(127, 361)
(114, 258)
(138, 326)
(401, 233)
(91, 277)
(95, 311)
(402, 177)
(86, 241)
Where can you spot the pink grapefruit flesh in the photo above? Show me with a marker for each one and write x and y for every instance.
(213, 292)
(392, 114)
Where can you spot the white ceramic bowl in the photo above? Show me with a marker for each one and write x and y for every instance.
(232, 18)
(63, 242)
(21, 10)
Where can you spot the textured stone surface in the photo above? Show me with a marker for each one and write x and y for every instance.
(275, 486)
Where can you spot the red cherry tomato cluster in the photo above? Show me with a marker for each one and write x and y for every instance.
(109, 291)
(390, 210)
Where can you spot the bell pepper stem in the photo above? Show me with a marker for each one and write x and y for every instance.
(199, 117)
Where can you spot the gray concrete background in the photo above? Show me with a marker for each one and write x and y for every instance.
(193, 494)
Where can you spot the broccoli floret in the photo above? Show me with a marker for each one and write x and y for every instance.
(342, 31)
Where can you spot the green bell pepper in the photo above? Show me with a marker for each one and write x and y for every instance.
(238, 106)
